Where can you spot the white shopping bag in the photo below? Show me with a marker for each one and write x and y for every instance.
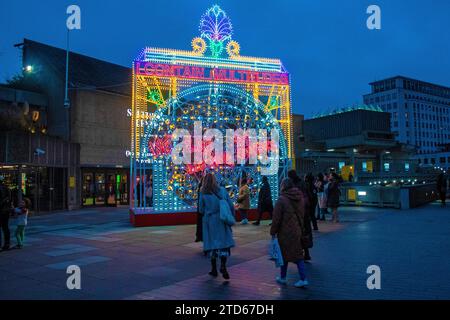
(275, 253)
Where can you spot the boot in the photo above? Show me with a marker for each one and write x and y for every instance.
(213, 271)
(223, 268)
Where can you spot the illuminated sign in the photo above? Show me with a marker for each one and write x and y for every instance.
(209, 74)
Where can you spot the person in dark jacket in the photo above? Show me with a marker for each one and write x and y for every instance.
(5, 211)
(333, 195)
(243, 201)
(441, 186)
(321, 198)
(199, 229)
(299, 184)
(312, 194)
(288, 228)
(264, 200)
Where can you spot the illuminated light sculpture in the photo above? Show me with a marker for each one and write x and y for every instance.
(215, 87)
(233, 48)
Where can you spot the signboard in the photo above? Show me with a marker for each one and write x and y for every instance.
(71, 182)
(145, 68)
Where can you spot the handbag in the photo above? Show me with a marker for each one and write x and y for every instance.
(225, 214)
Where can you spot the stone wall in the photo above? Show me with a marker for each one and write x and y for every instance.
(101, 126)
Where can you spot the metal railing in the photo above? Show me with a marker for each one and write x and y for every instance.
(400, 197)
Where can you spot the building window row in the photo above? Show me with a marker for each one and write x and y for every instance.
(435, 160)
(422, 87)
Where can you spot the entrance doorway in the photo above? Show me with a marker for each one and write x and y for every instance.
(104, 187)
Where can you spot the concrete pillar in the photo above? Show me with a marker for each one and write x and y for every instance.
(404, 198)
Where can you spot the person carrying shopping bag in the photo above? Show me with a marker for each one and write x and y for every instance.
(288, 228)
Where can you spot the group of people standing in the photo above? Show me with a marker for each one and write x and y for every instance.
(7, 211)
(293, 217)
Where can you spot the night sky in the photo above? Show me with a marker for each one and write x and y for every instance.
(324, 44)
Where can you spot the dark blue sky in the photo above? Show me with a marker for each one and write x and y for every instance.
(324, 44)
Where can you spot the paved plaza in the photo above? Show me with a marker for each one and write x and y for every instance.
(118, 261)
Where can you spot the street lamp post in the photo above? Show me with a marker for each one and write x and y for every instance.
(66, 90)
(66, 96)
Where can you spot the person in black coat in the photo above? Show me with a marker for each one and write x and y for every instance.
(264, 200)
(441, 185)
(299, 184)
(5, 211)
(199, 229)
(312, 195)
(333, 195)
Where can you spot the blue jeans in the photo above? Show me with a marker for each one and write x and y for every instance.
(300, 267)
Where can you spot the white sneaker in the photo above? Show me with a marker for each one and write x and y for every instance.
(245, 221)
(280, 280)
(301, 283)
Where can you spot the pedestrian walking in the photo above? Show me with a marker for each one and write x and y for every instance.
(312, 194)
(288, 227)
(441, 186)
(243, 201)
(198, 232)
(300, 185)
(21, 215)
(264, 200)
(321, 198)
(5, 211)
(333, 195)
(217, 235)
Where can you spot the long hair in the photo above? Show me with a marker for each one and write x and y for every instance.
(209, 184)
(27, 202)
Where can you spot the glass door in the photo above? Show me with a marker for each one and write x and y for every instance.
(110, 189)
(123, 188)
(100, 190)
(88, 190)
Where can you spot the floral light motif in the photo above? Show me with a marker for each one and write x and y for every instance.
(160, 146)
(215, 25)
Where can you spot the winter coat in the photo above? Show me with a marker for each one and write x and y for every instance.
(265, 199)
(302, 186)
(216, 234)
(333, 194)
(286, 226)
(199, 227)
(5, 200)
(244, 197)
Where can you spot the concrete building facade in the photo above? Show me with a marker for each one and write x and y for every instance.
(99, 94)
(354, 141)
(420, 113)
